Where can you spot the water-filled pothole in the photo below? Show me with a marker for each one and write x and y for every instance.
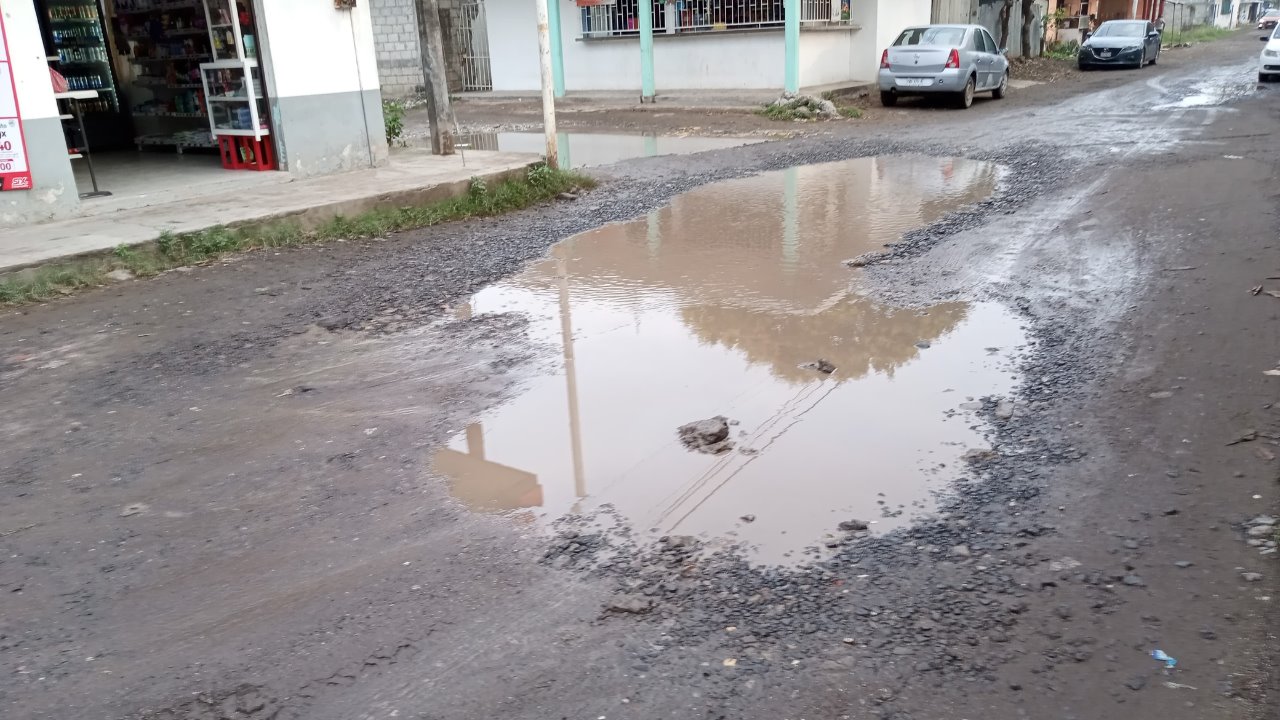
(710, 306)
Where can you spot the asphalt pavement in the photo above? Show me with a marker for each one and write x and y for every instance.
(219, 500)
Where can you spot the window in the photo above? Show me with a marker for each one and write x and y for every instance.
(951, 36)
(988, 42)
(1122, 29)
(622, 17)
(1226, 7)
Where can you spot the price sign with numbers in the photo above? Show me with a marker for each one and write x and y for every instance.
(15, 174)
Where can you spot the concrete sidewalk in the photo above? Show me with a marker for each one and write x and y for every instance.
(708, 100)
(412, 177)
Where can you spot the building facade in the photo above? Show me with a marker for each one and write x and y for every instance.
(137, 69)
(698, 44)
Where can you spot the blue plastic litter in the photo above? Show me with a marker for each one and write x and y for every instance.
(1160, 655)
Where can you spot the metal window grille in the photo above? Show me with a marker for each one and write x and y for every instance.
(621, 17)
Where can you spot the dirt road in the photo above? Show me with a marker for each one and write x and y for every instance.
(224, 497)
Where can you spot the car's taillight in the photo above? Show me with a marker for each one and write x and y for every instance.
(884, 59)
(953, 60)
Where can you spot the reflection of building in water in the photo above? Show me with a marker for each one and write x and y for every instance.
(776, 241)
(856, 335)
(708, 307)
(485, 485)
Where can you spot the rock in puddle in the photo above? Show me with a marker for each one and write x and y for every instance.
(819, 365)
(710, 436)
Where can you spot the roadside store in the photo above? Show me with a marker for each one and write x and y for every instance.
(122, 99)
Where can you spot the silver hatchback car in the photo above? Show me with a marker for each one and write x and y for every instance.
(955, 60)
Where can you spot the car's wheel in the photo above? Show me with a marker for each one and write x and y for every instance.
(1264, 78)
(888, 98)
(964, 99)
(1085, 68)
(1003, 89)
(1143, 62)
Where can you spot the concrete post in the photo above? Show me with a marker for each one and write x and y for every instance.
(548, 85)
(646, 51)
(791, 45)
(557, 50)
(439, 107)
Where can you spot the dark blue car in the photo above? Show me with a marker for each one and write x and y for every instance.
(1126, 43)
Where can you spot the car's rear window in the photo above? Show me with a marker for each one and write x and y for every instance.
(946, 36)
(1122, 29)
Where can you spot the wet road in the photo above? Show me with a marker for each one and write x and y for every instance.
(214, 507)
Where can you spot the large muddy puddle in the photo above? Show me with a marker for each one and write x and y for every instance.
(577, 150)
(710, 307)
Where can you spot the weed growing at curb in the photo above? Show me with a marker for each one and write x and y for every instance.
(540, 183)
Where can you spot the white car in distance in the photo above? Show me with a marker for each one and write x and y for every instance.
(1269, 60)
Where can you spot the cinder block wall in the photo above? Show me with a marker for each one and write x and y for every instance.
(395, 35)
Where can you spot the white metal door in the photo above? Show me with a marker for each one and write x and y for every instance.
(471, 44)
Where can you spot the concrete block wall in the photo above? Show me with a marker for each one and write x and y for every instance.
(395, 35)
(395, 38)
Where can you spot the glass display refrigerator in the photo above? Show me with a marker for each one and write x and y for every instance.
(76, 45)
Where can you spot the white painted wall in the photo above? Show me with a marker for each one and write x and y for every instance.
(894, 16)
(707, 61)
(30, 70)
(513, 42)
(314, 50)
(833, 56)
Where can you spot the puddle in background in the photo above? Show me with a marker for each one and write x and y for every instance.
(586, 149)
(1218, 91)
(708, 307)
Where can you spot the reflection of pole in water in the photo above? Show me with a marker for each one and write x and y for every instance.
(563, 151)
(475, 440)
(570, 371)
(653, 233)
(650, 145)
(790, 219)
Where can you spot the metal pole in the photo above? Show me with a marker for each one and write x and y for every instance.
(557, 50)
(548, 85)
(791, 45)
(646, 51)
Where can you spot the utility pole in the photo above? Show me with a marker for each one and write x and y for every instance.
(439, 107)
(548, 84)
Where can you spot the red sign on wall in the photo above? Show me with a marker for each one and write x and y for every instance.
(15, 173)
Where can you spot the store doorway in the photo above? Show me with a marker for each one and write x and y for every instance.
(158, 97)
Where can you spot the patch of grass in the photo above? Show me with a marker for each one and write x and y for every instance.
(169, 251)
(1197, 34)
(393, 121)
(852, 113)
(1063, 51)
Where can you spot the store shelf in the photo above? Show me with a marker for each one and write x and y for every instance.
(241, 133)
(173, 58)
(173, 141)
(75, 156)
(162, 7)
(168, 86)
(174, 32)
(74, 21)
(231, 99)
(230, 64)
(171, 115)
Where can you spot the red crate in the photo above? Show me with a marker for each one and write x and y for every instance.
(246, 153)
